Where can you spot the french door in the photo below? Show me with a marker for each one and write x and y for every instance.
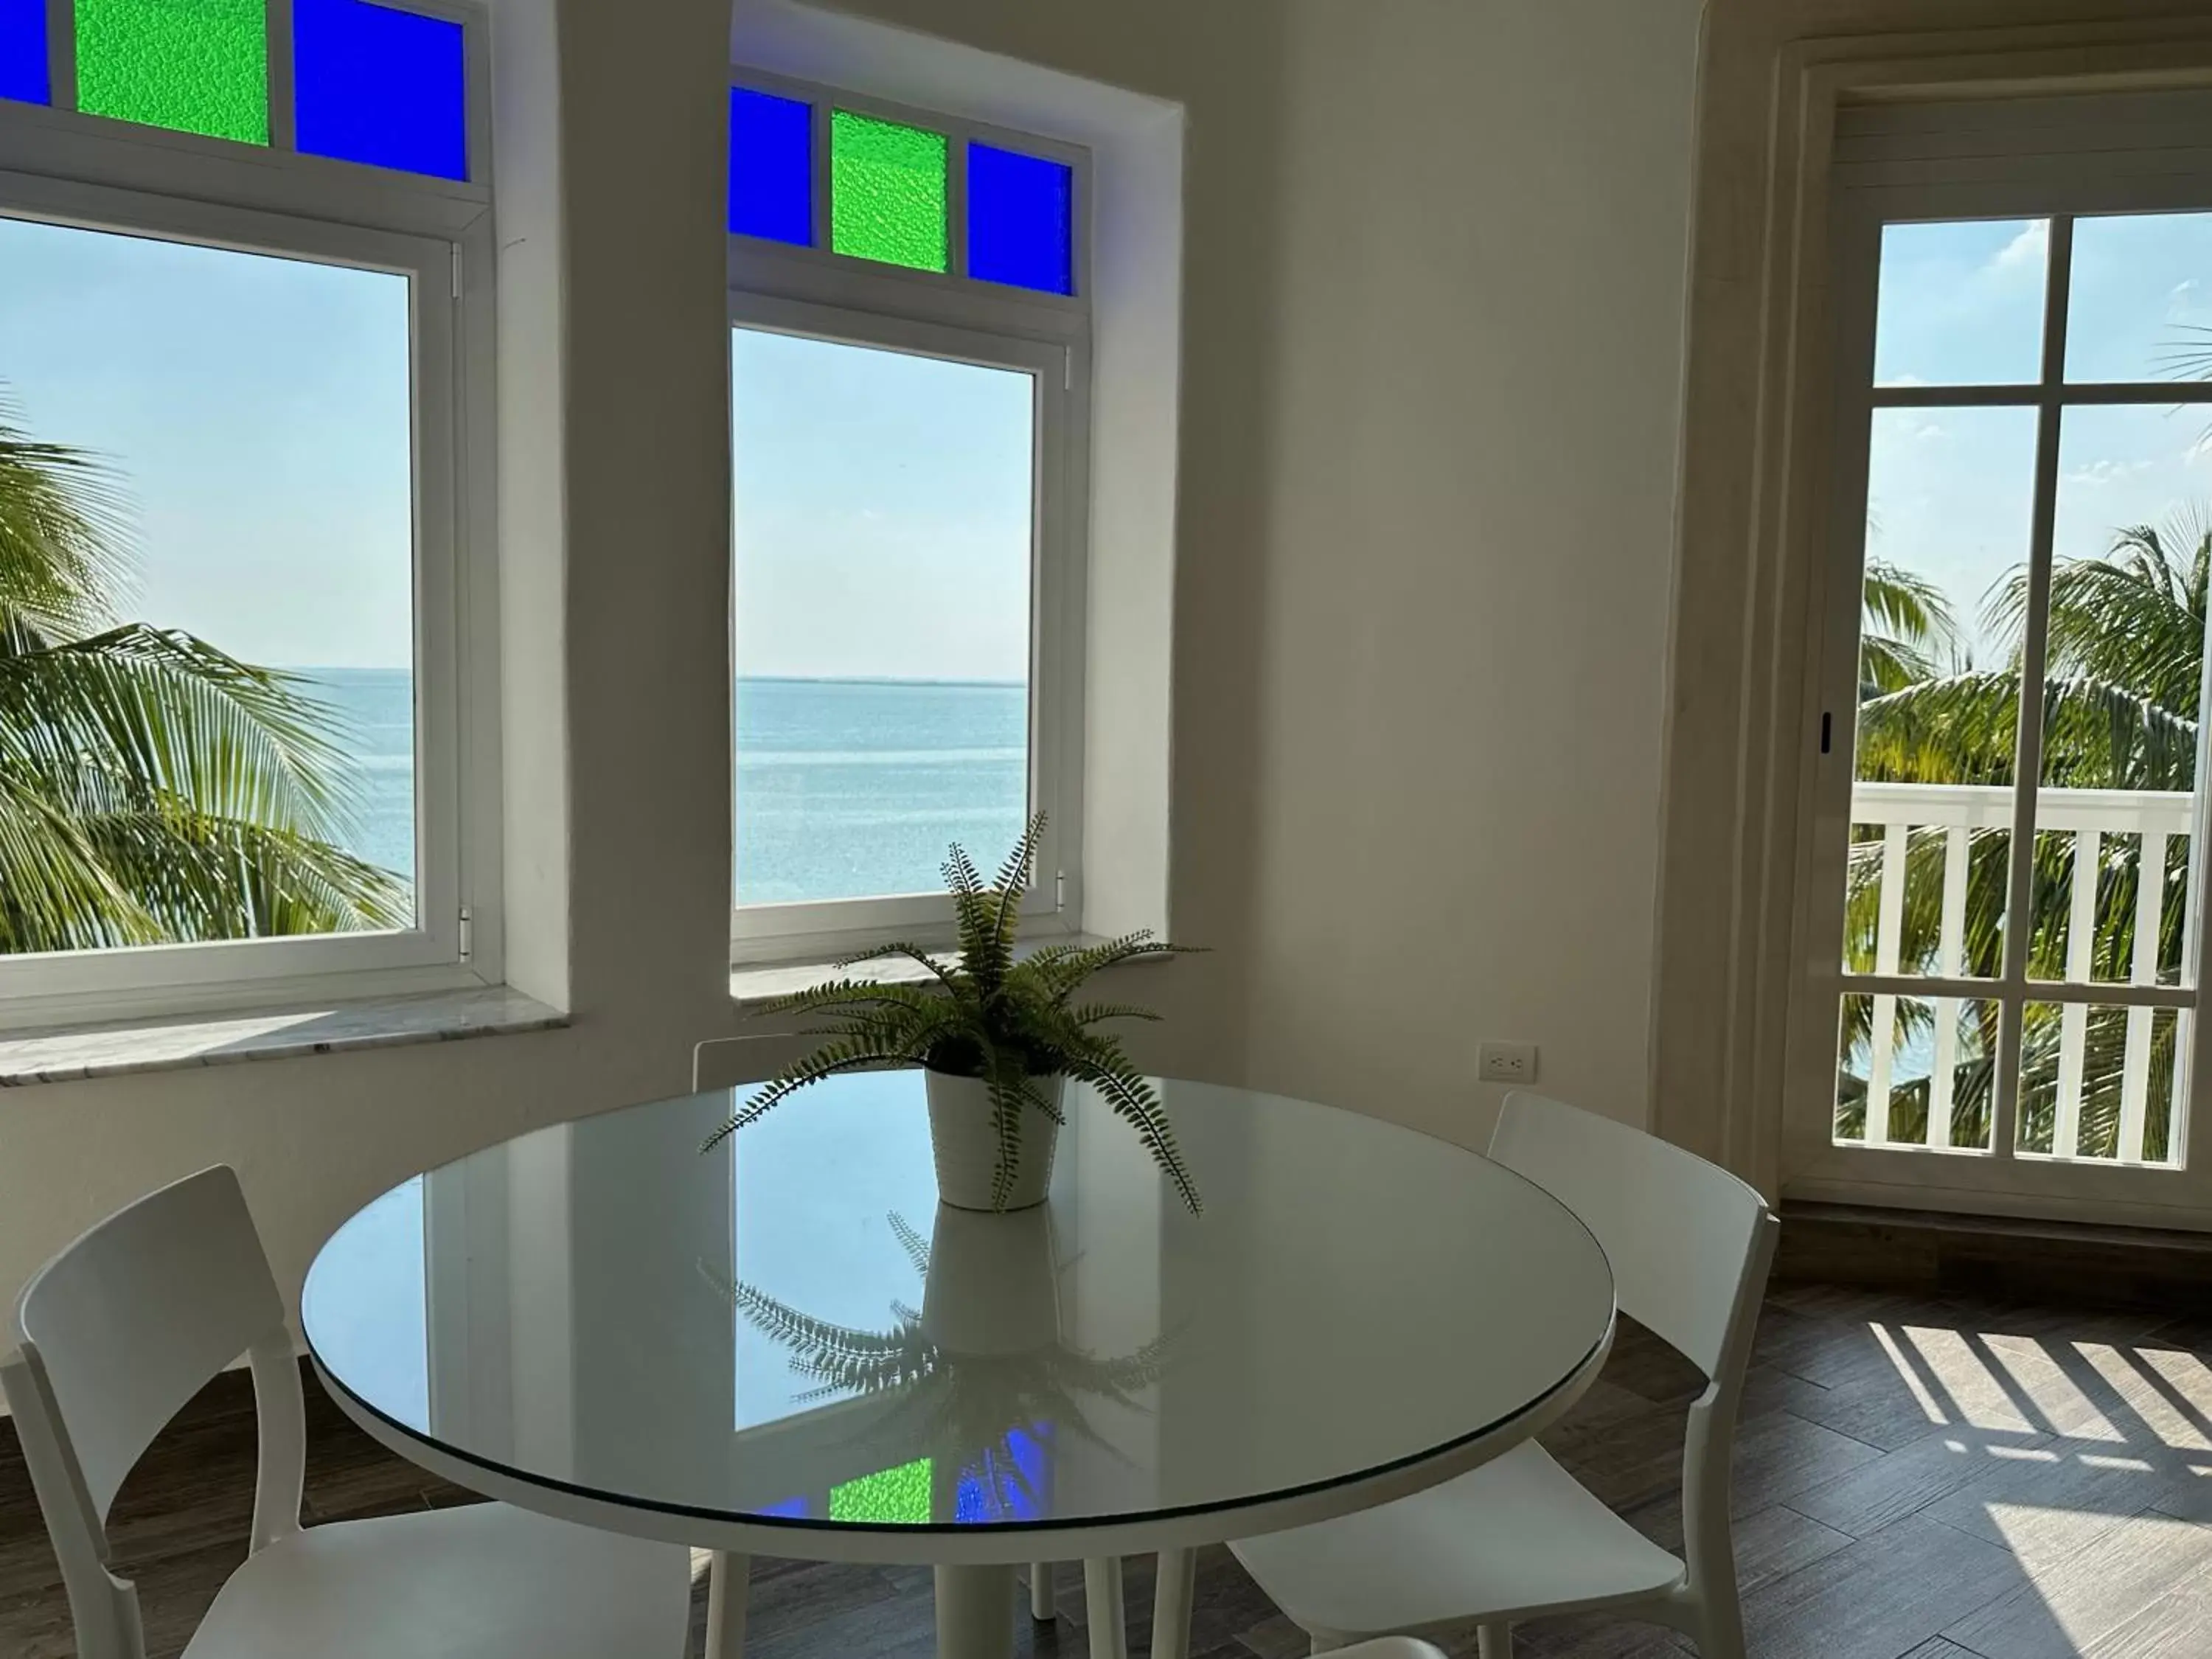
(2003, 884)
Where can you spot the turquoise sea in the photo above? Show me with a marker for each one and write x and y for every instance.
(845, 789)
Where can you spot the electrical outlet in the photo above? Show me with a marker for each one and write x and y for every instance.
(1506, 1062)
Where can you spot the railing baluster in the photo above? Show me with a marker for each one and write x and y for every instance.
(2074, 1018)
(2134, 1069)
(1950, 962)
(1889, 927)
(1884, 1038)
(2089, 816)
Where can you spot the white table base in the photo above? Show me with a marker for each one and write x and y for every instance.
(726, 1614)
(1102, 1593)
(975, 1613)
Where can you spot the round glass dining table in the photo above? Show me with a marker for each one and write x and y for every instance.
(786, 1346)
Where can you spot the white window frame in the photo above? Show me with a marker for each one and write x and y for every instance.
(2061, 160)
(70, 168)
(814, 293)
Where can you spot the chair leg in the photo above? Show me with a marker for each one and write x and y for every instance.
(728, 1590)
(1041, 1590)
(1494, 1642)
(1102, 1596)
(1171, 1598)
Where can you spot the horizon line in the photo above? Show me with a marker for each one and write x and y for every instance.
(742, 679)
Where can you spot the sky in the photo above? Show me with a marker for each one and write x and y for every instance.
(881, 506)
(1949, 490)
(255, 413)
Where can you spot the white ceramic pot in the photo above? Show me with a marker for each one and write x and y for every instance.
(967, 1145)
(994, 1285)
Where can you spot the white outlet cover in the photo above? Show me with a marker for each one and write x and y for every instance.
(1506, 1062)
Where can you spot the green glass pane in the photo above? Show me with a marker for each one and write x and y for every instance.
(190, 65)
(898, 1496)
(886, 191)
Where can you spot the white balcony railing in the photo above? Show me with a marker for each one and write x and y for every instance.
(2158, 816)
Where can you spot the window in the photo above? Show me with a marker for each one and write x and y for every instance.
(233, 394)
(908, 395)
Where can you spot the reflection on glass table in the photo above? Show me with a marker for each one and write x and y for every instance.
(620, 1332)
(979, 1375)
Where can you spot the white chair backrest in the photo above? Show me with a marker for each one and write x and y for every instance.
(115, 1335)
(718, 1063)
(1683, 1236)
(138, 1315)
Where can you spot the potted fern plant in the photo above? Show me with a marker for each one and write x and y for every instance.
(997, 1039)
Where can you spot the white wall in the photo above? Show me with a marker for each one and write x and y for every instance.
(1434, 279)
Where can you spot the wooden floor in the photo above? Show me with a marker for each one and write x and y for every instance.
(1916, 1478)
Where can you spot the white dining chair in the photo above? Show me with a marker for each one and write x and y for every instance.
(120, 1330)
(1690, 1246)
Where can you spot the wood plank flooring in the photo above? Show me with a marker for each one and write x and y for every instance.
(1915, 1478)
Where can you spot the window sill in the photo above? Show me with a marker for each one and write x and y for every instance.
(754, 985)
(119, 1048)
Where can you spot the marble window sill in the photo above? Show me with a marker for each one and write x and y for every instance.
(121, 1048)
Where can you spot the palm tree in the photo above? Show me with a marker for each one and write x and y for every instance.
(153, 789)
(2126, 650)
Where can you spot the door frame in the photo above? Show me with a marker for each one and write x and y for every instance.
(1979, 181)
(1752, 541)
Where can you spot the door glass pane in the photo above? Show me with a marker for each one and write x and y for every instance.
(2141, 307)
(1949, 496)
(883, 533)
(1915, 1071)
(207, 722)
(2126, 656)
(1961, 303)
(2098, 1083)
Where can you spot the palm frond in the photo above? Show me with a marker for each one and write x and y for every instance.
(57, 892)
(65, 541)
(173, 713)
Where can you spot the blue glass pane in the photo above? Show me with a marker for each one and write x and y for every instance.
(384, 87)
(23, 52)
(771, 166)
(1020, 212)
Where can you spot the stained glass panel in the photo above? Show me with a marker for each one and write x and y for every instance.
(1020, 212)
(897, 1496)
(380, 86)
(190, 65)
(887, 191)
(23, 52)
(771, 166)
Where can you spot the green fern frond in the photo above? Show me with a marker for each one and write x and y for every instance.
(832, 1059)
(1090, 1014)
(911, 1241)
(913, 952)
(984, 1016)
(849, 993)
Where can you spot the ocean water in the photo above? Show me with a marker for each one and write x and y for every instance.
(374, 711)
(845, 789)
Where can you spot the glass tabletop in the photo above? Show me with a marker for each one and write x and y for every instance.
(790, 1330)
